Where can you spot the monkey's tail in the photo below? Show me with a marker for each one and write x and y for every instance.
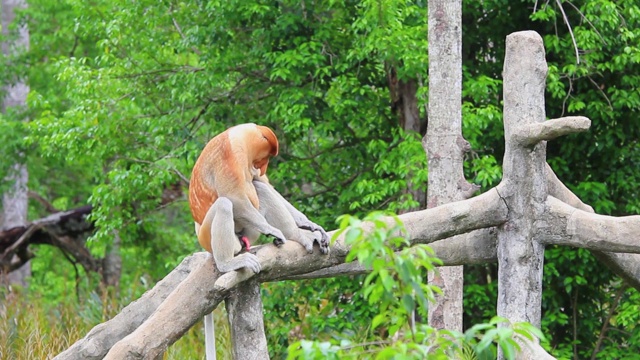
(209, 337)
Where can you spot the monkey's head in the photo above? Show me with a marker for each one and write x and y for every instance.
(265, 144)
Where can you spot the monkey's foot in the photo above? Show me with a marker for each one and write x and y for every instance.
(323, 242)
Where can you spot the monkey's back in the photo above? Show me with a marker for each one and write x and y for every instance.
(222, 169)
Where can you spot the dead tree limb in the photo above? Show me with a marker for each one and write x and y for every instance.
(566, 225)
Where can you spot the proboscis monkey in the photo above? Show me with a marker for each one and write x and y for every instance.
(232, 203)
(224, 199)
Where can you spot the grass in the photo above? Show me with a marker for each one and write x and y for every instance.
(32, 329)
(29, 330)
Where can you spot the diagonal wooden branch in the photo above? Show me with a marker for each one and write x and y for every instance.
(627, 266)
(566, 225)
(195, 281)
(422, 227)
(102, 337)
(203, 289)
(476, 247)
(560, 191)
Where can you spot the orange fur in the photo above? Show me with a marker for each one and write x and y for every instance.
(226, 167)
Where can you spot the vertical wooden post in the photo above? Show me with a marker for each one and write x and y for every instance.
(244, 307)
(520, 254)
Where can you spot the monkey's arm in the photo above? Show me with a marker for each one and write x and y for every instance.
(301, 219)
(218, 230)
(281, 214)
(249, 220)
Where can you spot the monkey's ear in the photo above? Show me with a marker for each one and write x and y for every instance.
(271, 139)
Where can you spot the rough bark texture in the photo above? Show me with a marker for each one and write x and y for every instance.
(566, 225)
(404, 102)
(15, 200)
(244, 307)
(66, 230)
(476, 247)
(534, 133)
(444, 144)
(112, 263)
(520, 253)
(558, 190)
(627, 266)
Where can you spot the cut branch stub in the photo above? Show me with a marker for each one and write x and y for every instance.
(524, 185)
(551, 129)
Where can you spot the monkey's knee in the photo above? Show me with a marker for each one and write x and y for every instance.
(223, 206)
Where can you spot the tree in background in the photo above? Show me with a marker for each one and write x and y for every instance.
(15, 41)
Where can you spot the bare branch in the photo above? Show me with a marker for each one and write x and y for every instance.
(573, 38)
(476, 247)
(551, 129)
(560, 191)
(627, 266)
(565, 225)
(103, 336)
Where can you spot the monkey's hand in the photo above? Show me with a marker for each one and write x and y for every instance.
(323, 242)
(278, 236)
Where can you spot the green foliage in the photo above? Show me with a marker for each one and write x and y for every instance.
(395, 288)
(382, 287)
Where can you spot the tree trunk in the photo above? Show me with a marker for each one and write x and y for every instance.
(244, 307)
(112, 264)
(444, 144)
(15, 200)
(520, 252)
